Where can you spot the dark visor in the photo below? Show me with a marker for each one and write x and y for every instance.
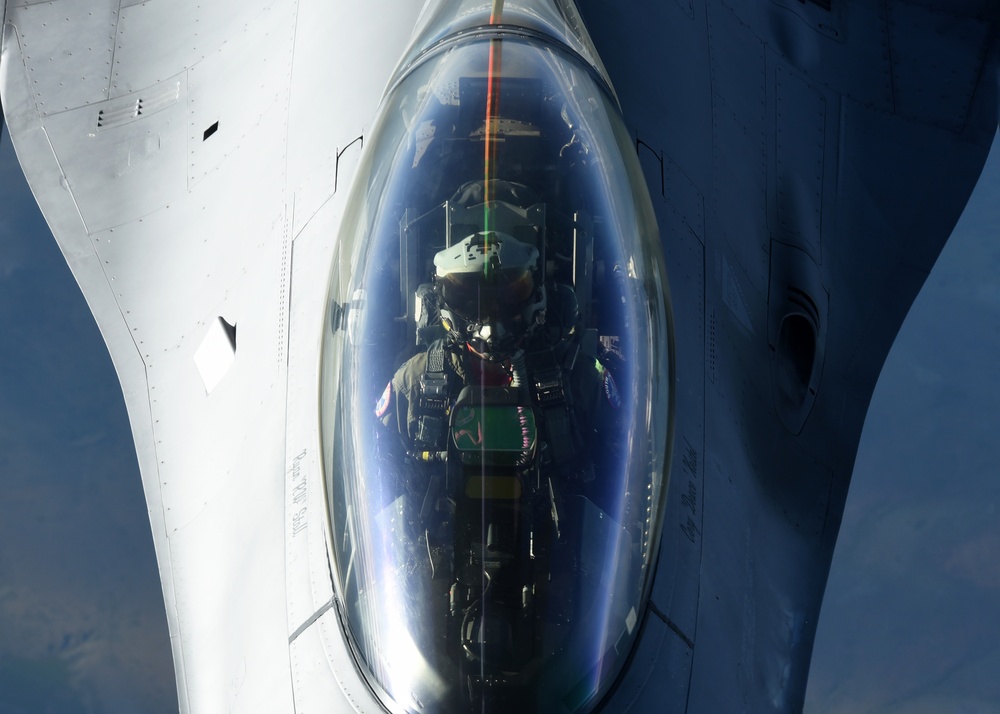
(477, 297)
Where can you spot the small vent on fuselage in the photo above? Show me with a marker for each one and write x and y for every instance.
(118, 115)
(116, 112)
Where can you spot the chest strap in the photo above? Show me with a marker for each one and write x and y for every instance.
(555, 405)
(433, 403)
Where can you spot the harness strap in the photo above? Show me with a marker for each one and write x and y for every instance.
(554, 400)
(433, 402)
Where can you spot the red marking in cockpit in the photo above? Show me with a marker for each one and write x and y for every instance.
(476, 440)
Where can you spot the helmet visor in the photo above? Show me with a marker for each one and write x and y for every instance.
(499, 296)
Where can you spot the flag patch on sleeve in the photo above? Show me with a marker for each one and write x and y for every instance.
(384, 401)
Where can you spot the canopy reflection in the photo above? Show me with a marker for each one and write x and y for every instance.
(499, 283)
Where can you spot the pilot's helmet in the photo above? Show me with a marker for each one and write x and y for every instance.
(489, 290)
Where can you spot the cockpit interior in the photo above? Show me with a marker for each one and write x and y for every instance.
(495, 396)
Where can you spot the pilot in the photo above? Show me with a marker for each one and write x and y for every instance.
(503, 327)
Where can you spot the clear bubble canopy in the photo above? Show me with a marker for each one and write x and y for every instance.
(495, 399)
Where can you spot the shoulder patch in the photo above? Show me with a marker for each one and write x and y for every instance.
(611, 390)
(384, 401)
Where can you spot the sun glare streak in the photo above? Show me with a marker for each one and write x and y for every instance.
(491, 122)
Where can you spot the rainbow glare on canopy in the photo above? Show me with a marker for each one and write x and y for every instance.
(491, 121)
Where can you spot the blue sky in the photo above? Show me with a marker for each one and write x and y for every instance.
(910, 622)
(82, 628)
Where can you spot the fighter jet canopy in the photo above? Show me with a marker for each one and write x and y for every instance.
(496, 383)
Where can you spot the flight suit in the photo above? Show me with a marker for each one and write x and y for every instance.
(581, 412)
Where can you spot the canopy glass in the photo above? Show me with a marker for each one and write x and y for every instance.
(496, 384)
